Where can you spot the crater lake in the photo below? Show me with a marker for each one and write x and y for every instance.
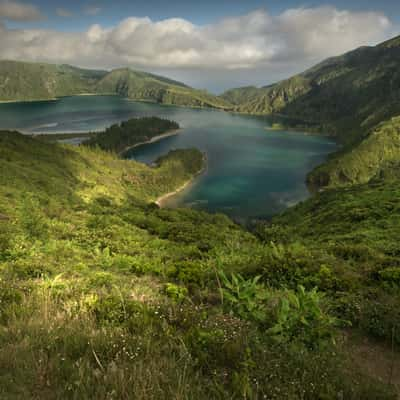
(251, 172)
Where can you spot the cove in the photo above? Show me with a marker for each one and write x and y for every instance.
(251, 172)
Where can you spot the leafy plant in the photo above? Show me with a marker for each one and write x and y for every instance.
(245, 297)
(175, 292)
(301, 317)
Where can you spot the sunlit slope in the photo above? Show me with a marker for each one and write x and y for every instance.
(376, 156)
(39, 81)
(71, 175)
(116, 296)
(148, 87)
(34, 81)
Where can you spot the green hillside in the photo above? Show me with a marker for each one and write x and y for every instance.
(269, 100)
(377, 155)
(344, 96)
(148, 87)
(21, 81)
(356, 229)
(241, 95)
(37, 81)
(104, 295)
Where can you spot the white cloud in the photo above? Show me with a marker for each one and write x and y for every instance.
(92, 10)
(15, 11)
(62, 12)
(257, 41)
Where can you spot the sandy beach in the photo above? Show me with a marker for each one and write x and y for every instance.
(153, 139)
(161, 200)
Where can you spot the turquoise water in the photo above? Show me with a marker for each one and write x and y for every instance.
(251, 172)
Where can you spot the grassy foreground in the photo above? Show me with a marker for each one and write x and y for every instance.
(105, 296)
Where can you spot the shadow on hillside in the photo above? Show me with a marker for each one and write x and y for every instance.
(44, 170)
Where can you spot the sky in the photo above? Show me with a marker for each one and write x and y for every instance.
(208, 44)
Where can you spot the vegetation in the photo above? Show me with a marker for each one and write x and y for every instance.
(143, 86)
(21, 81)
(57, 137)
(121, 137)
(353, 234)
(376, 156)
(347, 97)
(105, 295)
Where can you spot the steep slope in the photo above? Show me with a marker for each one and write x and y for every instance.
(270, 99)
(347, 97)
(104, 295)
(39, 81)
(344, 96)
(357, 228)
(241, 95)
(377, 155)
(148, 87)
(21, 81)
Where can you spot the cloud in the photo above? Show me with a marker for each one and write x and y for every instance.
(258, 41)
(92, 10)
(62, 12)
(15, 11)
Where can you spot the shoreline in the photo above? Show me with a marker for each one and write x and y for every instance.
(154, 139)
(27, 101)
(161, 200)
(209, 108)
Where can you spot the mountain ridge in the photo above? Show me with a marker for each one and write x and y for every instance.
(372, 69)
(347, 97)
(29, 81)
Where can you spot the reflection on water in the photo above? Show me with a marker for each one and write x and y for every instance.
(251, 172)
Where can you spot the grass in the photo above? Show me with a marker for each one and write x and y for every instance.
(375, 157)
(105, 295)
(25, 81)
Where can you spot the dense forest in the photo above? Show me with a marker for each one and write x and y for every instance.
(121, 137)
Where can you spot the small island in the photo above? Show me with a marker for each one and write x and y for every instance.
(119, 138)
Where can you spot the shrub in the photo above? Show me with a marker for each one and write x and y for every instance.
(31, 217)
(189, 272)
(175, 292)
(99, 279)
(390, 276)
(275, 233)
(9, 296)
(5, 237)
(246, 298)
(301, 318)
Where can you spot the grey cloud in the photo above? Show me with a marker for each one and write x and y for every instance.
(16, 11)
(250, 43)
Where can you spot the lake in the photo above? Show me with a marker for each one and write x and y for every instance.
(251, 173)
